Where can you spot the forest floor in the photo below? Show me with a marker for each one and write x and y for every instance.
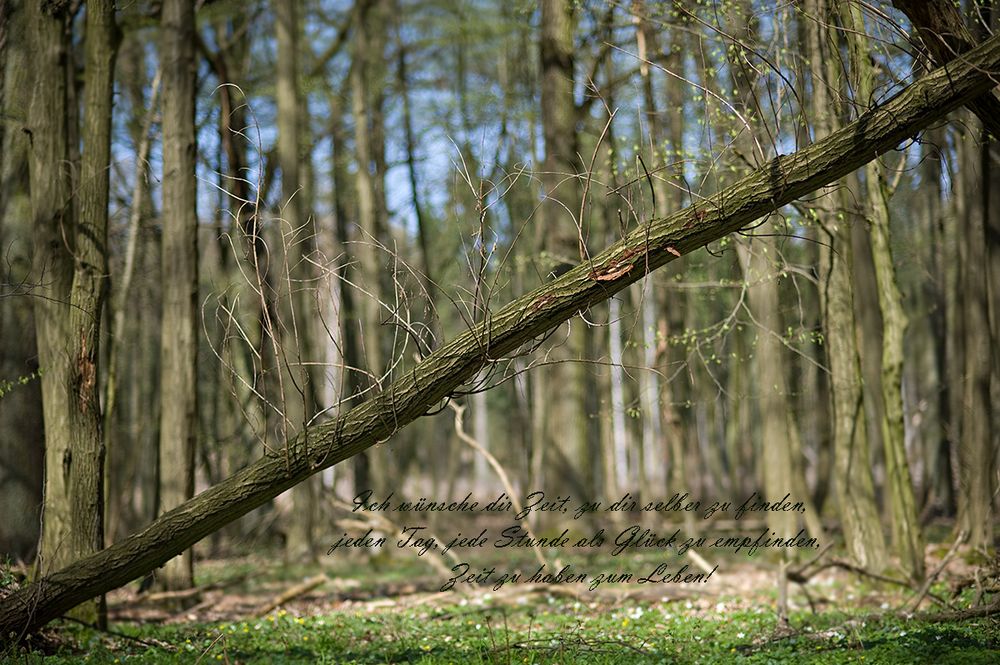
(380, 610)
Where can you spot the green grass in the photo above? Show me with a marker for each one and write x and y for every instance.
(542, 629)
(358, 619)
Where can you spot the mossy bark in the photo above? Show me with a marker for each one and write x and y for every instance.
(906, 535)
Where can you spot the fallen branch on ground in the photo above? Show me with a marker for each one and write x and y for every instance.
(291, 594)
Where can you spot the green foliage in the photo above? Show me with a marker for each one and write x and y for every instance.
(7, 575)
(545, 630)
(6, 385)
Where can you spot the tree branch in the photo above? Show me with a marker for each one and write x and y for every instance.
(943, 32)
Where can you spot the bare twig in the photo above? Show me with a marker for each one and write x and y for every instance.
(292, 593)
(925, 587)
(459, 410)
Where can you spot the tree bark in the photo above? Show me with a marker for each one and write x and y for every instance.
(72, 257)
(367, 49)
(975, 447)
(90, 280)
(179, 342)
(906, 534)
(301, 396)
(942, 30)
(413, 394)
(852, 474)
(558, 422)
(22, 445)
(781, 456)
(654, 453)
(52, 213)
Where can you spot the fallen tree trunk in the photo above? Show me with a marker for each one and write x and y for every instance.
(646, 248)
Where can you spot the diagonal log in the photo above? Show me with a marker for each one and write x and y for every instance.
(944, 34)
(646, 248)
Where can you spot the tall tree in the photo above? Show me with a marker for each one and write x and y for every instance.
(762, 266)
(365, 81)
(52, 212)
(298, 344)
(179, 341)
(653, 440)
(559, 427)
(71, 259)
(22, 446)
(976, 454)
(906, 534)
(852, 463)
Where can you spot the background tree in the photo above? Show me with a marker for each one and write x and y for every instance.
(178, 350)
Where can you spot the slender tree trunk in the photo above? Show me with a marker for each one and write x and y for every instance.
(179, 343)
(423, 230)
(118, 460)
(761, 264)
(298, 337)
(52, 211)
(369, 471)
(90, 277)
(22, 442)
(778, 433)
(938, 483)
(906, 535)
(244, 261)
(674, 306)
(560, 428)
(653, 443)
(975, 449)
(852, 464)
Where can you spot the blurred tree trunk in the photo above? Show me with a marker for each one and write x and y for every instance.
(559, 429)
(852, 463)
(423, 223)
(243, 265)
(762, 265)
(301, 398)
(22, 442)
(779, 433)
(121, 463)
(813, 412)
(975, 448)
(368, 48)
(906, 534)
(52, 212)
(350, 315)
(991, 181)
(179, 343)
(654, 453)
(675, 304)
(939, 486)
